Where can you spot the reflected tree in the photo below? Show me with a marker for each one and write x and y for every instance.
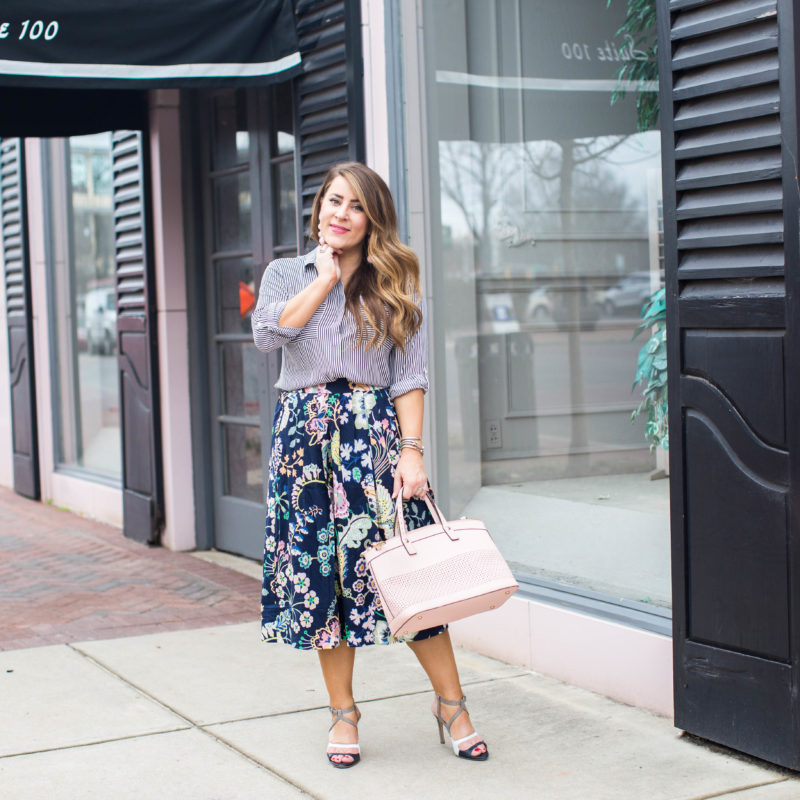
(539, 188)
(477, 177)
(576, 159)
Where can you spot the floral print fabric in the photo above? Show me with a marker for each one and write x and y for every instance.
(331, 474)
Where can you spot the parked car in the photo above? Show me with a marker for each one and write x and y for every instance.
(628, 295)
(554, 303)
(100, 315)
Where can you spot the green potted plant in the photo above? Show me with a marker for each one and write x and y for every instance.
(651, 371)
(651, 368)
(640, 28)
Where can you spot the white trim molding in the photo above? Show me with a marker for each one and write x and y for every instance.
(140, 72)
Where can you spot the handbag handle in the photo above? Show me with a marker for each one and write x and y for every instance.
(401, 528)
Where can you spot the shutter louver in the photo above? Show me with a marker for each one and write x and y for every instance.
(19, 318)
(136, 341)
(727, 137)
(328, 95)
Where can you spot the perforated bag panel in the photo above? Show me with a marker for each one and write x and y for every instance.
(442, 581)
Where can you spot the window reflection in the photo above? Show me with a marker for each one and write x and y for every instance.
(287, 203)
(233, 204)
(553, 237)
(230, 138)
(235, 294)
(87, 396)
(285, 196)
(244, 474)
(549, 246)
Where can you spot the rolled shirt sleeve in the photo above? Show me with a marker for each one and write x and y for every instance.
(272, 299)
(408, 370)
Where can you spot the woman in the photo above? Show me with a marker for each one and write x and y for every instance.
(347, 439)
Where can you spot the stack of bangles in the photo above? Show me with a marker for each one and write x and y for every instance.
(414, 442)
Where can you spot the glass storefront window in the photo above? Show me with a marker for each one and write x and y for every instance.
(545, 248)
(283, 168)
(86, 396)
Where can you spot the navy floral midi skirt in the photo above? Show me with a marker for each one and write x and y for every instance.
(331, 475)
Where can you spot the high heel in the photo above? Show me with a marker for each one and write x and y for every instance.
(475, 752)
(337, 749)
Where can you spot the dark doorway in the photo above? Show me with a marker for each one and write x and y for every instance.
(249, 217)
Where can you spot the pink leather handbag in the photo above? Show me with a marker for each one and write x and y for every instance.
(438, 573)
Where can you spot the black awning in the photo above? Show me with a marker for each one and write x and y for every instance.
(145, 44)
(71, 112)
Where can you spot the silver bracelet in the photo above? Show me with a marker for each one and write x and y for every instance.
(413, 446)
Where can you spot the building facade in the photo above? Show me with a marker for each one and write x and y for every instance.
(535, 206)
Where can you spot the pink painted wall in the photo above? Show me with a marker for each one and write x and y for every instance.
(621, 662)
(173, 326)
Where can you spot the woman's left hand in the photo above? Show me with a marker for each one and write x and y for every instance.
(410, 476)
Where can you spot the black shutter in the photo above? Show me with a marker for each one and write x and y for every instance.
(136, 340)
(18, 316)
(730, 205)
(328, 95)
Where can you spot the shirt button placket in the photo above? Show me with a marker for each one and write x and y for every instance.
(342, 328)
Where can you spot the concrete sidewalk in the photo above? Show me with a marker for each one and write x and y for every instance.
(214, 714)
(195, 706)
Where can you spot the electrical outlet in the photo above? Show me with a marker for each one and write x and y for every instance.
(493, 438)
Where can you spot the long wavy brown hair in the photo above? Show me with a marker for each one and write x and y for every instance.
(381, 293)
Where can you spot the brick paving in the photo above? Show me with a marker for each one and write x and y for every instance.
(64, 578)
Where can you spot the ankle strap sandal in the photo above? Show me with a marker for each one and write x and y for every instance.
(343, 756)
(477, 750)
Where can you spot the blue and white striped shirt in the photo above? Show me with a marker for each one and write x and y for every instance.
(324, 349)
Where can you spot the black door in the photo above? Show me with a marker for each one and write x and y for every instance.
(249, 219)
(727, 73)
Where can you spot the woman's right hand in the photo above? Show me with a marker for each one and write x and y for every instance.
(327, 262)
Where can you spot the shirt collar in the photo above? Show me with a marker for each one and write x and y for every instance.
(311, 258)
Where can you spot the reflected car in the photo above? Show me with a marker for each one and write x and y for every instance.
(554, 304)
(628, 295)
